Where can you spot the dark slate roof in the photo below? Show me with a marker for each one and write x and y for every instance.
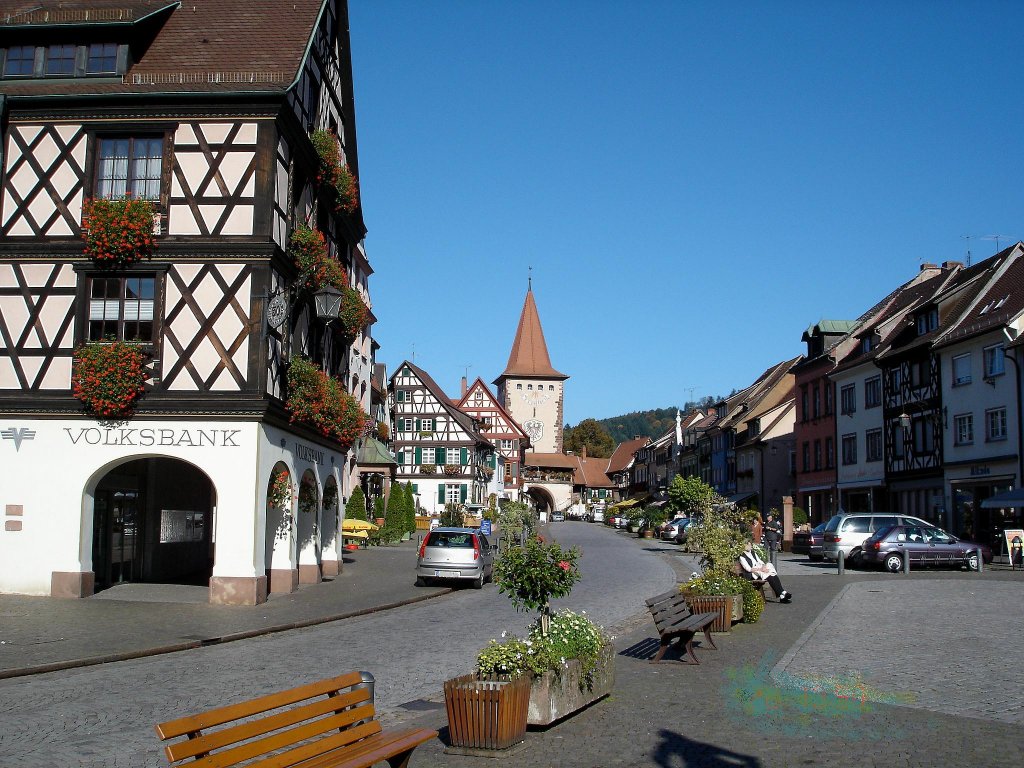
(1001, 300)
(213, 46)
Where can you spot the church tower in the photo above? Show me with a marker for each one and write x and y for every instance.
(530, 389)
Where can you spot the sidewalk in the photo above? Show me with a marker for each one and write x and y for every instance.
(42, 634)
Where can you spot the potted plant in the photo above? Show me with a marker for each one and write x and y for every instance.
(108, 377)
(353, 313)
(317, 268)
(321, 402)
(428, 469)
(117, 232)
(653, 517)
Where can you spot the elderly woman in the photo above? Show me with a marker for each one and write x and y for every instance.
(753, 567)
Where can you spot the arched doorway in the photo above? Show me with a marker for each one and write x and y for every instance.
(153, 521)
(308, 530)
(279, 554)
(541, 498)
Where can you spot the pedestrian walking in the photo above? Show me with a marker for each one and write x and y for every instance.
(772, 533)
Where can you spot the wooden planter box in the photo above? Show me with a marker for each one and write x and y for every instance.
(554, 696)
(728, 607)
(486, 715)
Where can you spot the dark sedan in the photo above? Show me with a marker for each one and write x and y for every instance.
(927, 546)
(810, 543)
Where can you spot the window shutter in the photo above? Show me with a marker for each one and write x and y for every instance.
(400, 396)
(401, 457)
(415, 487)
(418, 454)
(462, 493)
(417, 425)
(463, 456)
(491, 461)
(440, 493)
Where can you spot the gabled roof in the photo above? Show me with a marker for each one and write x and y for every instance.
(624, 454)
(591, 472)
(463, 404)
(464, 420)
(213, 46)
(1001, 300)
(529, 355)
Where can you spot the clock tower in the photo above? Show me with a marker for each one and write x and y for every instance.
(530, 389)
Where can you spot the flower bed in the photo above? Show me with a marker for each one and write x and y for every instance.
(117, 232)
(108, 377)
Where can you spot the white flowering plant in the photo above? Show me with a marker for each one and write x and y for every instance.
(570, 636)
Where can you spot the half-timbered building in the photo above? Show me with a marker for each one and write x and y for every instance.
(205, 110)
(504, 433)
(439, 448)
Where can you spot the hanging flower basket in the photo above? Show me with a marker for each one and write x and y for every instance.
(334, 174)
(108, 377)
(353, 313)
(317, 268)
(321, 402)
(280, 494)
(117, 232)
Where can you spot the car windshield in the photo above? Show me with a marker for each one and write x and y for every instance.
(455, 539)
(833, 523)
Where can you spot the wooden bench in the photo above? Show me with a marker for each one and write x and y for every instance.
(761, 584)
(329, 724)
(674, 619)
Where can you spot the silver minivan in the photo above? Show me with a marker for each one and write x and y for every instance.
(847, 532)
(462, 554)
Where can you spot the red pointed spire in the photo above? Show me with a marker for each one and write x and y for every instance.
(529, 356)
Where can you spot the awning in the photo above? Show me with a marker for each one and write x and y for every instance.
(624, 504)
(355, 535)
(1014, 498)
(351, 524)
(738, 498)
(658, 504)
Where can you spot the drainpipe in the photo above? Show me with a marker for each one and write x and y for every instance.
(1020, 435)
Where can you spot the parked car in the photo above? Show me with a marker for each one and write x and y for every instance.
(462, 554)
(557, 517)
(927, 546)
(673, 528)
(597, 514)
(810, 543)
(846, 533)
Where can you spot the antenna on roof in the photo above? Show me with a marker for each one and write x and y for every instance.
(997, 238)
(968, 239)
(414, 353)
(529, 278)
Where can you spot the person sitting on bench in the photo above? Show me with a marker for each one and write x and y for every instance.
(754, 568)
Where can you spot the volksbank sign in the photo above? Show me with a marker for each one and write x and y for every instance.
(146, 437)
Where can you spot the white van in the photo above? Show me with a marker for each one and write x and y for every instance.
(597, 513)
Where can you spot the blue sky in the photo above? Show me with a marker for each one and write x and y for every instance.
(693, 183)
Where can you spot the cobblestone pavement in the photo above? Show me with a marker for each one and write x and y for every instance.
(767, 697)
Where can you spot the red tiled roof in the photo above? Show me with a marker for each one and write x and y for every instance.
(529, 356)
(623, 453)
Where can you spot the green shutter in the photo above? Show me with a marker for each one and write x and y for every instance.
(463, 456)
(417, 425)
(415, 487)
(418, 455)
(491, 461)
(462, 493)
(400, 396)
(401, 457)
(600, 494)
(440, 494)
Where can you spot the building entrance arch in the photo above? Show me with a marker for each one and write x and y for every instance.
(153, 521)
(542, 499)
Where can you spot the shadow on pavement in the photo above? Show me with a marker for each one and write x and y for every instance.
(674, 750)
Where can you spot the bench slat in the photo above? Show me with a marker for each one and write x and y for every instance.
(295, 752)
(662, 597)
(256, 706)
(373, 750)
(234, 734)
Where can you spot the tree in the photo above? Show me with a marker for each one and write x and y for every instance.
(394, 518)
(410, 509)
(591, 435)
(454, 515)
(690, 496)
(355, 509)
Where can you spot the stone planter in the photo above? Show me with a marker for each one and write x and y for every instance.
(554, 696)
(728, 607)
(486, 717)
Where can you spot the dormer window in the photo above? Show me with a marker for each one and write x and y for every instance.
(867, 344)
(102, 59)
(20, 61)
(60, 60)
(927, 321)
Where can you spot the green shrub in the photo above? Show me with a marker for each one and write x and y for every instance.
(454, 515)
(355, 508)
(753, 602)
(799, 516)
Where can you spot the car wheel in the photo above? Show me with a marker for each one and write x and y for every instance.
(420, 581)
(894, 563)
(972, 561)
(853, 560)
(478, 582)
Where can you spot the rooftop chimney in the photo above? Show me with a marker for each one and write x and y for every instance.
(928, 265)
(465, 386)
(952, 264)
(583, 451)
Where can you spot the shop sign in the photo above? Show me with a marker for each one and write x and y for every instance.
(305, 453)
(977, 471)
(144, 438)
